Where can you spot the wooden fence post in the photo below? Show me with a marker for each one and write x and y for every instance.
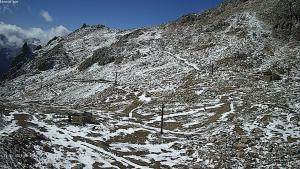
(69, 118)
(116, 78)
(162, 119)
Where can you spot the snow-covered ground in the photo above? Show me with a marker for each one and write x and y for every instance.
(220, 109)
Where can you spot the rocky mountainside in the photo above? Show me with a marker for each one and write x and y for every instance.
(228, 78)
(9, 51)
(5, 60)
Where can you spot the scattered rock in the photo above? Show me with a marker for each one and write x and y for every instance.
(279, 126)
(78, 166)
(269, 76)
(51, 40)
(257, 132)
(245, 140)
(48, 148)
(83, 25)
(38, 47)
(240, 146)
(292, 139)
(21, 144)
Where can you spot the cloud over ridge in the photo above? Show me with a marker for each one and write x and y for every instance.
(16, 35)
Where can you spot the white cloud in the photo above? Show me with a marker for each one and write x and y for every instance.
(58, 31)
(46, 16)
(16, 35)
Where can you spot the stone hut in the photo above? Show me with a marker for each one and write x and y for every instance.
(87, 117)
(79, 119)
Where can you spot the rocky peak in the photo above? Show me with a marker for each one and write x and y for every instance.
(25, 56)
(26, 50)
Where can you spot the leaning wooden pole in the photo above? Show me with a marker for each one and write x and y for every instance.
(162, 119)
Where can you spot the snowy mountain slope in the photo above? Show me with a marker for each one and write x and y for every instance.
(229, 83)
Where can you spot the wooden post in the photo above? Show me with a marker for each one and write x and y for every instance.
(116, 78)
(271, 78)
(69, 118)
(41, 82)
(162, 119)
(212, 68)
(157, 165)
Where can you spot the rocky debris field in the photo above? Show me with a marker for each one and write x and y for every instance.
(212, 127)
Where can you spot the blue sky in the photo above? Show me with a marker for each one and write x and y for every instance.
(44, 19)
(112, 13)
